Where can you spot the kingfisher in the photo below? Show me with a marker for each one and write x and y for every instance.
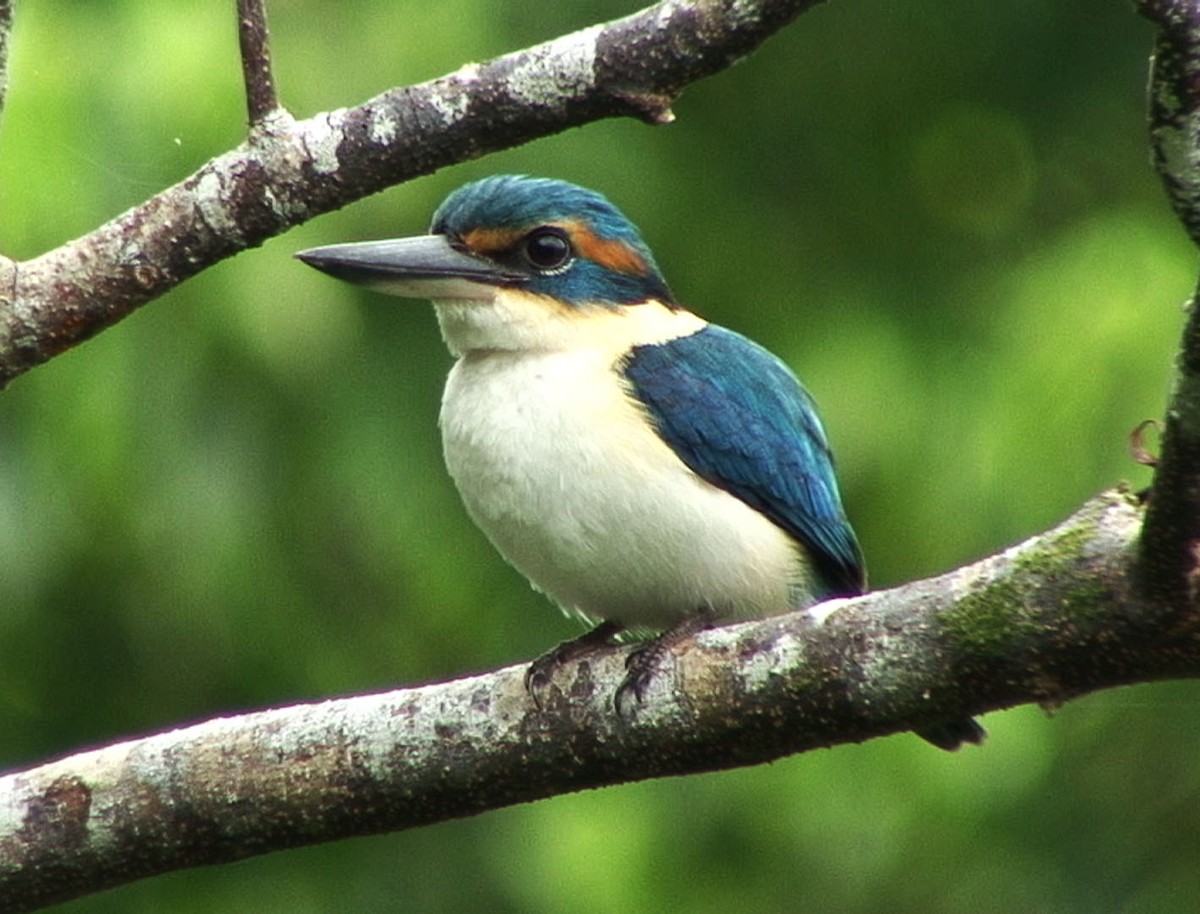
(644, 468)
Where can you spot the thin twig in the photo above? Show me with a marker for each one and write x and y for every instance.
(5, 32)
(254, 41)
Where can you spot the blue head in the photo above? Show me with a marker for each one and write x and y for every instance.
(566, 241)
(537, 235)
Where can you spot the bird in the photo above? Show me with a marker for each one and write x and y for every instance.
(644, 468)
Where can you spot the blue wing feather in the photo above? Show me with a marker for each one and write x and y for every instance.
(741, 420)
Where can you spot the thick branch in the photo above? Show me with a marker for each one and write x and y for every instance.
(254, 43)
(288, 172)
(1044, 621)
(1168, 566)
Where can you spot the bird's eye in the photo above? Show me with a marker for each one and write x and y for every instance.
(546, 250)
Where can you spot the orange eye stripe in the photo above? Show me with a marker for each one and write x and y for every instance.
(609, 253)
(492, 240)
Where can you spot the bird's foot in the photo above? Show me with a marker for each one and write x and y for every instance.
(541, 671)
(643, 663)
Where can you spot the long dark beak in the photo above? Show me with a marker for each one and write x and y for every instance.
(423, 267)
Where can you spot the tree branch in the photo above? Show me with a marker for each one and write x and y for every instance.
(288, 171)
(5, 36)
(1168, 563)
(254, 43)
(1042, 622)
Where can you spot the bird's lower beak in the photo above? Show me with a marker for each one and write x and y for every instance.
(423, 267)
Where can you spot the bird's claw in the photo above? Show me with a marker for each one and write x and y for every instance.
(643, 663)
(640, 666)
(541, 672)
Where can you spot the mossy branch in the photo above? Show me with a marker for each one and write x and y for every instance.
(1042, 622)
(1053, 618)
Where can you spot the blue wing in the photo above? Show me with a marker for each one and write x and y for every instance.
(740, 419)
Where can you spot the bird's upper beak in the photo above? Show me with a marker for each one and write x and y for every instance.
(427, 266)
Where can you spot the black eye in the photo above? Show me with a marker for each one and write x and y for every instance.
(546, 249)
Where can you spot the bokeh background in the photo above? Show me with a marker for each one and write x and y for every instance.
(941, 214)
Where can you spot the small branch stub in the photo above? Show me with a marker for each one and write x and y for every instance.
(254, 41)
(1137, 443)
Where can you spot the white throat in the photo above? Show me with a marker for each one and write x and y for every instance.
(514, 321)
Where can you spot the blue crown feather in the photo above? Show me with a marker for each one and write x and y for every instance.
(521, 203)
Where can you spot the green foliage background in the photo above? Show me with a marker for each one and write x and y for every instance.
(940, 213)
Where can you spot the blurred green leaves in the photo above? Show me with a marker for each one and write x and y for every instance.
(940, 214)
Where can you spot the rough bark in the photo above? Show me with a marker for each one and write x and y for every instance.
(1042, 622)
(1095, 603)
(254, 44)
(289, 171)
(1170, 543)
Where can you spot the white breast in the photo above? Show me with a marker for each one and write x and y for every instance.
(566, 477)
